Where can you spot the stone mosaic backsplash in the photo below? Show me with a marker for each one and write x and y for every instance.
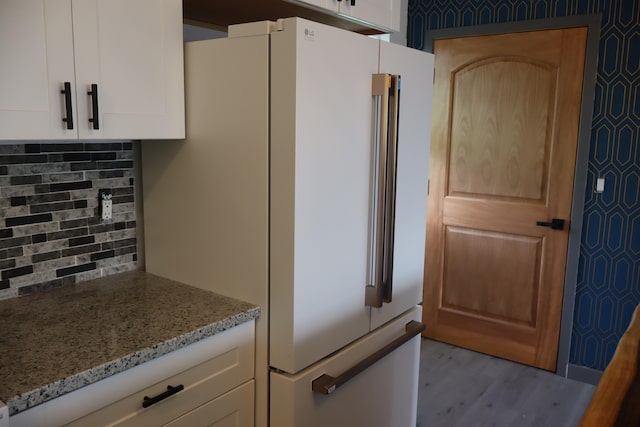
(51, 231)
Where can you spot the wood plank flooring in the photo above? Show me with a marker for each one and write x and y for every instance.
(462, 388)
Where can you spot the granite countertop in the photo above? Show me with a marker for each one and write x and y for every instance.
(56, 341)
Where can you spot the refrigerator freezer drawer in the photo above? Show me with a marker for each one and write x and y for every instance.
(383, 395)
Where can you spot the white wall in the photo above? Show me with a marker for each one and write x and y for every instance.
(193, 33)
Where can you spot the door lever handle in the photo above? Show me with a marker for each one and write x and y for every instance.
(555, 224)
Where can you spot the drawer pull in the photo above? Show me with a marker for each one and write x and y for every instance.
(148, 401)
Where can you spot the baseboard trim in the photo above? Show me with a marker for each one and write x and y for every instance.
(583, 374)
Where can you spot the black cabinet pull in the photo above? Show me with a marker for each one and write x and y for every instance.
(555, 224)
(148, 401)
(353, 2)
(67, 104)
(93, 93)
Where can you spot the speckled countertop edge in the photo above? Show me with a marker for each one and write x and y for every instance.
(152, 286)
(71, 383)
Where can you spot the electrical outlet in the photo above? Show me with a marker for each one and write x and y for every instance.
(106, 207)
(107, 210)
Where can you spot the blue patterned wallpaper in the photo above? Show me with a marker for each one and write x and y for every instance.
(608, 287)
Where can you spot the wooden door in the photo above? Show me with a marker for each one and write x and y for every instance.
(504, 138)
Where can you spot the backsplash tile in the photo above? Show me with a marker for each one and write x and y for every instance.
(51, 233)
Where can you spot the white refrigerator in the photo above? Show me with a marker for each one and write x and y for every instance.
(302, 187)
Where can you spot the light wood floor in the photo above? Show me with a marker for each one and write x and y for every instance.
(462, 388)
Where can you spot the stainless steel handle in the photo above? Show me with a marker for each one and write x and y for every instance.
(386, 90)
(380, 87)
(390, 196)
(326, 384)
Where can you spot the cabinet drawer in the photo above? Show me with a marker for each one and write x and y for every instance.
(232, 409)
(202, 383)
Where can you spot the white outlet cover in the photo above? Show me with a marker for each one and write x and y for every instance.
(107, 210)
(600, 185)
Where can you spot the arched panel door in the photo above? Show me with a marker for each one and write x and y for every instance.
(504, 138)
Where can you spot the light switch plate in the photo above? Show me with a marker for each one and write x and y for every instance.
(600, 185)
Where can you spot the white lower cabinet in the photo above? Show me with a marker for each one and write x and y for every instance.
(233, 409)
(212, 380)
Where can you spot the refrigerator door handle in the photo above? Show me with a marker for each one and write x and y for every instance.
(390, 202)
(380, 89)
(326, 384)
(386, 90)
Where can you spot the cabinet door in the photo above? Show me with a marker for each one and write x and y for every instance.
(233, 409)
(384, 14)
(381, 14)
(132, 51)
(36, 47)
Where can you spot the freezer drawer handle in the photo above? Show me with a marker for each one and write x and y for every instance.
(327, 384)
(148, 401)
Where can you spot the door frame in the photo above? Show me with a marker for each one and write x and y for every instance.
(592, 22)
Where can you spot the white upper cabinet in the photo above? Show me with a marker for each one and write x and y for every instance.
(382, 15)
(325, 5)
(36, 47)
(131, 50)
